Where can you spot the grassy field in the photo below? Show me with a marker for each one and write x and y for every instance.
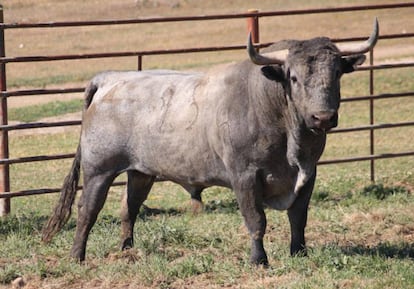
(360, 235)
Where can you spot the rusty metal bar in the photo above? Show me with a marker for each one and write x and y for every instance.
(322, 162)
(41, 91)
(381, 37)
(140, 54)
(386, 66)
(139, 62)
(41, 191)
(82, 89)
(253, 25)
(377, 96)
(372, 127)
(6, 161)
(32, 125)
(371, 115)
(4, 141)
(79, 122)
(30, 192)
(65, 156)
(366, 158)
(118, 54)
(205, 17)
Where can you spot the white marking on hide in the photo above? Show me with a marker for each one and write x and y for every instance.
(301, 180)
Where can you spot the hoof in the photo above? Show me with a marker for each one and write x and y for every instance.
(263, 262)
(259, 260)
(299, 251)
(127, 244)
(77, 258)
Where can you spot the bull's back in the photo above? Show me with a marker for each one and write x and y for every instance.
(154, 122)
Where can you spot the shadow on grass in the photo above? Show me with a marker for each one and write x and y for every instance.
(375, 191)
(387, 250)
(148, 212)
(228, 206)
(381, 192)
(220, 206)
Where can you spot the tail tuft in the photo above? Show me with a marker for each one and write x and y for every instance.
(63, 209)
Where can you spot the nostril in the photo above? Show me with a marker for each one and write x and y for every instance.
(316, 120)
(325, 116)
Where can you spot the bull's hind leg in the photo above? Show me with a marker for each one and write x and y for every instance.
(95, 190)
(138, 188)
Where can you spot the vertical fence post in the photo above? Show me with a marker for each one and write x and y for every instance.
(253, 25)
(371, 113)
(4, 140)
(139, 62)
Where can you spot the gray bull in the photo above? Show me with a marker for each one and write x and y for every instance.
(258, 127)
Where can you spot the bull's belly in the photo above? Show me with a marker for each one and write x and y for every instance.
(190, 166)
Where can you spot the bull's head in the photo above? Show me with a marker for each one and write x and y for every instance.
(310, 72)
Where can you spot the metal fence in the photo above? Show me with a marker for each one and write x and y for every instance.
(252, 17)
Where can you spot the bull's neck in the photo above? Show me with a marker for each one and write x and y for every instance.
(268, 102)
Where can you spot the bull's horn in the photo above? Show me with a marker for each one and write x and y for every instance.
(349, 49)
(275, 57)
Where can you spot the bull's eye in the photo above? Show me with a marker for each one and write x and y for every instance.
(293, 79)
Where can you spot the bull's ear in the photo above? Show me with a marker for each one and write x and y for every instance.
(350, 63)
(275, 73)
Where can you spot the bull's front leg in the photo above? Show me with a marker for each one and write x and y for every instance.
(248, 190)
(298, 216)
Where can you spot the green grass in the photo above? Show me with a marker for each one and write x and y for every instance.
(48, 80)
(36, 112)
(175, 247)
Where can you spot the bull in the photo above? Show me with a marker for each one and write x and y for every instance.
(257, 126)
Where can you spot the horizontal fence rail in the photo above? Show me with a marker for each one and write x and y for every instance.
(20, 126)
(5, 161)
(43, 58)
(206, 17)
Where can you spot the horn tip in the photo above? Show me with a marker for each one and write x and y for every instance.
(376, 24)
(375, 34)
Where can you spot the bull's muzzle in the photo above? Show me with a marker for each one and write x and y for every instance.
(324, 120)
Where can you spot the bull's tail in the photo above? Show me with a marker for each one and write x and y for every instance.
(63, 209)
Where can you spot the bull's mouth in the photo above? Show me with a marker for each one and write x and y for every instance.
(322, 130)
(318, 131)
